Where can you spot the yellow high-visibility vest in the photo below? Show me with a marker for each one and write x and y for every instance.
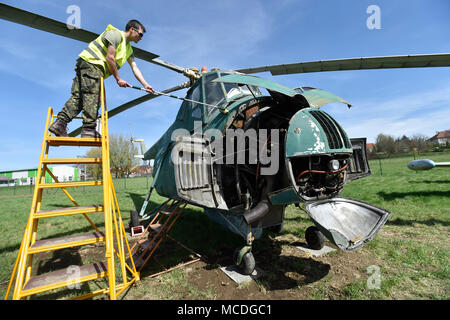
(96, 52)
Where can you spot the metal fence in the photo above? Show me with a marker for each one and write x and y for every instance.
(120, 184)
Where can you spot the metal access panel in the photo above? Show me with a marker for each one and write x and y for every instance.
(358, 165)
(193, 166)
(346, 222)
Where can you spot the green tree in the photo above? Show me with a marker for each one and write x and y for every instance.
(121, 157)
(121, 154)
(403, 144)
(385, 143)
(94, 170)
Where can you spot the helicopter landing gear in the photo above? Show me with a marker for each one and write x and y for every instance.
(314, 238)
(244, 259)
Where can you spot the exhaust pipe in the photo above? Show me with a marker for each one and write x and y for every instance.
(257, 213)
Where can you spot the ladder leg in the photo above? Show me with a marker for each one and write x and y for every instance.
(27, 235)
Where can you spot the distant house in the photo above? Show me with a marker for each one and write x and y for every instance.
(5, 181)
(441, 137)
(28, 176)
(142, 170)
(370, 147)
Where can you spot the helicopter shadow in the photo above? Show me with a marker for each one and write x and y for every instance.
(217, 244)
(286, 271)
(428, 222)
(138, 201)
(430, 181)
(389, 196)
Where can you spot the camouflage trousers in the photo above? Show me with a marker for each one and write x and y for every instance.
(85, 94)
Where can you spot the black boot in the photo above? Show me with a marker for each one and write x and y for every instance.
(59, 128)
(90, 133)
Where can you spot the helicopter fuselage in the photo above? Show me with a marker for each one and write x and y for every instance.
(246, 156)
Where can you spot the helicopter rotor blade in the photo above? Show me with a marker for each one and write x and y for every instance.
(43, 23)
(36, 21)
(168, 65)
(405, 61)
(134, 103)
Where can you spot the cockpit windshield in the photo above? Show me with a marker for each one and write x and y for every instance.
(213, 90)
(217, 92)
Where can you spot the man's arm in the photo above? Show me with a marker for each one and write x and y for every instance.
(110, 58)
(138, 74)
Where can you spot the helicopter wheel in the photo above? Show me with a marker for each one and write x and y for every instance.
(314, 238)
(247, 264)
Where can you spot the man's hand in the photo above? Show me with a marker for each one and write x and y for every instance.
(122, 83)
(149, 88)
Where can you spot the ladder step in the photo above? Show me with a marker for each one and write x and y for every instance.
(72, 160)
(167, 213)
(71, 184)
(70, 141)
(144, 250)
(156, 227)
(64, 277)
(68, 211)
(146, 245)
(67, 242)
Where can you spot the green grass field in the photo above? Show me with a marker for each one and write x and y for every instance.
(411, 252)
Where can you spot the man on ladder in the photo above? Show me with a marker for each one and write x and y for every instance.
(103, 57)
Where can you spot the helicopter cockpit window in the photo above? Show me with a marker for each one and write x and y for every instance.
(213, 91)
(196, 108)
(217, 92)
(234, 89)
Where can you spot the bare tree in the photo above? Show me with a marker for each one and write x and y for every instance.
(420, 142)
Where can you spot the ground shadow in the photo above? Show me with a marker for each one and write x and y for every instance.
(389, 196)
(281, 272)
(138, 201)
(428, 222)
(286, 272)
(216, 245)
(430, 181)
(57, 260)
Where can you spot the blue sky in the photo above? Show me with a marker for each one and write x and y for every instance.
(36, 68)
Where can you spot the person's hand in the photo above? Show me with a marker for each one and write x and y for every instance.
(149, 89)
(122, 83)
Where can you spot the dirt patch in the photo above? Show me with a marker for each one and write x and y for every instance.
(289, 273)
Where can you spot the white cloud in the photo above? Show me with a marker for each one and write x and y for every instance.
(217, 38)
(417, 113)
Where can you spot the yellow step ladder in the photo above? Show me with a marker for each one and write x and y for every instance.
(113, 235)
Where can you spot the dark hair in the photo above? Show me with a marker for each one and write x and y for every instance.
(134, 24)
